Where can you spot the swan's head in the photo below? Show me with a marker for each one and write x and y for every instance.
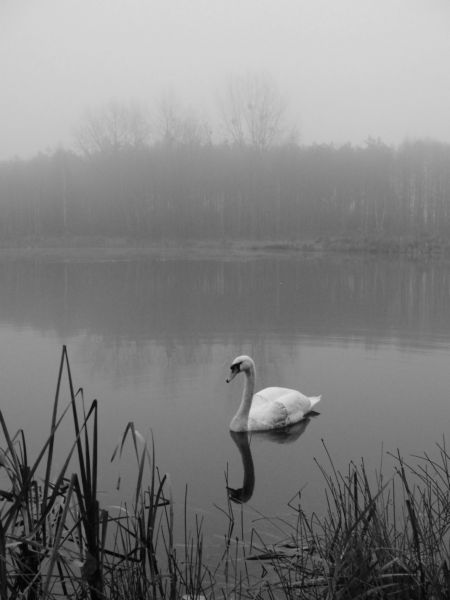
(240, 364)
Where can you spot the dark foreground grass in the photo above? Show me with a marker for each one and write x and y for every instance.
(388, 539)
(377, 539)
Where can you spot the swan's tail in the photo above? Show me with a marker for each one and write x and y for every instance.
(314, 400)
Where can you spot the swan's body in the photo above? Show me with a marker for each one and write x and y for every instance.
(270, 408)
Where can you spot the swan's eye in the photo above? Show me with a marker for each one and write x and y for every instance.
(235, 368)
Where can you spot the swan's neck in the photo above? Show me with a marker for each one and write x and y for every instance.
(244, 493)
(249, 470)
(240, 419)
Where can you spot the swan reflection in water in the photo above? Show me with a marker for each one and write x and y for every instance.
(242, 440)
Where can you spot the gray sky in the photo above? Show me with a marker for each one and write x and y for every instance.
(348, 68)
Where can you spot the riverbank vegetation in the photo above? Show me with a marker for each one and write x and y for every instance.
(191, 190)
(379, 537)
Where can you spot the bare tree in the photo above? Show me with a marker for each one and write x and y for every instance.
(113, 127)
(253, 111)
(177, 125)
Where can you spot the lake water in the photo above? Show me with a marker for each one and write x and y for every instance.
(152, 340)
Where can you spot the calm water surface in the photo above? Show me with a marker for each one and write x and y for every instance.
(152, 339)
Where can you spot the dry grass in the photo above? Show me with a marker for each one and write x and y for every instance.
(55, 539)
(381, 539)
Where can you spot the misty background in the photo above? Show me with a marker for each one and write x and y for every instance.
(348, 70)
(217, 120)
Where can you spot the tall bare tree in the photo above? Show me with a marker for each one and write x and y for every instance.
(113, 127)
(253, 111)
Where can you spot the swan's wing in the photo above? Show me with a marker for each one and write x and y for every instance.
(297, 405)
(278, 407)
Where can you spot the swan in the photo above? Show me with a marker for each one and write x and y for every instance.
(270, 408)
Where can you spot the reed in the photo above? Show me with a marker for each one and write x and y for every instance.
(376, 538)
(56, 541)
(47, 529)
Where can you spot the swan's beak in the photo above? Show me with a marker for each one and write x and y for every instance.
(232, 375)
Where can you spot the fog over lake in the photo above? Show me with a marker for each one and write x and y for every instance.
(348, 71)
(152, 339)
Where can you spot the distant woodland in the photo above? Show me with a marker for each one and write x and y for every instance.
(183, 186)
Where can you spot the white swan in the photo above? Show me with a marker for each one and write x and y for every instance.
(270, 408)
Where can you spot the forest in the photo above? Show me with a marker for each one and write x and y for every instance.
(179, 183)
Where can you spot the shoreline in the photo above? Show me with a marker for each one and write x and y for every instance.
(76, 248)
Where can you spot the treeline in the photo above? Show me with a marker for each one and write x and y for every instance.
(202, 191)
